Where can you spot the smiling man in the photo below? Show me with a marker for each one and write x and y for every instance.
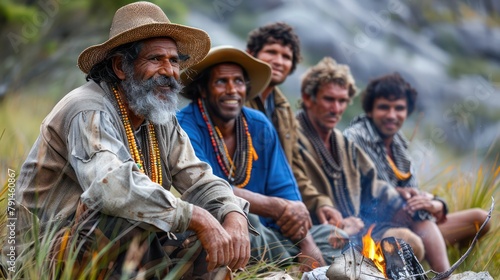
(387, 102)
(342, 172)
(242, 147)
(278, 45)
(109, 153)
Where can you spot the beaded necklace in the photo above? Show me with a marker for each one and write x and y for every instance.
(154, 168)
(400, 175)
(237, 171)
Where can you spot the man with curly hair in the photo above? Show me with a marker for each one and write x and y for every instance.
(387, 102)
(340, 170)
(279, 46)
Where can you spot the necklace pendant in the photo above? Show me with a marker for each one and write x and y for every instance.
(139, 165)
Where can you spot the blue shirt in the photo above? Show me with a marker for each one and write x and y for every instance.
(271, 174)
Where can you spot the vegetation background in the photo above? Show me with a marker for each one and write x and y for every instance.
(449, 50)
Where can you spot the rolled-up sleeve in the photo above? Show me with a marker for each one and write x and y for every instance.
(111, 181)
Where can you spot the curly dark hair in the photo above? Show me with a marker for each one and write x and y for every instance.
(103, 71)
(278, 32)
(391, 87)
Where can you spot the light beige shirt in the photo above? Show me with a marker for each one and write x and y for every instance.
(82, 154)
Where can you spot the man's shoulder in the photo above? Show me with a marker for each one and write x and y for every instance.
(359, 130)
(337, 133)
(190, 119)
(255, 116)
(185, 112)
(89, 96)
(280, 98)
(258, 123)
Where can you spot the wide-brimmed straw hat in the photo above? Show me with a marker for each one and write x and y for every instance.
(259, 72)
(143, 20)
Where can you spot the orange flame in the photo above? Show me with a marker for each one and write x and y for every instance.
(373, 251)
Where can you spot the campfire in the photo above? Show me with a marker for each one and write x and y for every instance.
(373, 251)
(389, 259)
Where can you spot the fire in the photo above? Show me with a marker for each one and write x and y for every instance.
(373, 250)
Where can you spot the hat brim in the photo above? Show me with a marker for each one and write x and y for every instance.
(190, 41)
(259, 72)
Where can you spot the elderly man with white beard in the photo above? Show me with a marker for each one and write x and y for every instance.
(110, 151)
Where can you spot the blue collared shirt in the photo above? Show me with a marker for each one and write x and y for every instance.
(271, 174)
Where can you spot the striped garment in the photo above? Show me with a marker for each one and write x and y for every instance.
(364, 133)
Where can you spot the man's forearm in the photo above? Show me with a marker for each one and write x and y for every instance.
(261, 204)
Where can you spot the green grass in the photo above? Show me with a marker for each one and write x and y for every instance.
(464, 189)
(20, 117)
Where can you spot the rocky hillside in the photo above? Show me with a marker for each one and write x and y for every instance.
(448, 51)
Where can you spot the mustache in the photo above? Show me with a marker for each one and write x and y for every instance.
(164, 81)
(335, 115)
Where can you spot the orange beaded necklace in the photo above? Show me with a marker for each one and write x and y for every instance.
(154, 170)
(400, 175)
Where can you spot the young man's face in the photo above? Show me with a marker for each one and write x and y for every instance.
(280, 58)
(326, 111)
(226, 92)
(389, 115)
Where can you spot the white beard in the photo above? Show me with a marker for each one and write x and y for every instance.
(146, 101)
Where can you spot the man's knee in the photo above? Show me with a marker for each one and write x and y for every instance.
(478, 218)
(409, 237)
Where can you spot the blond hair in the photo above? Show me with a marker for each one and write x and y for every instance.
(327, 71)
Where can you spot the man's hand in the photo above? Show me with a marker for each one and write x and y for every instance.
(408, 192)
(294, 220)
(213, 237)
(329, 215)
(353, 225)
(424, 201)
(237, 226)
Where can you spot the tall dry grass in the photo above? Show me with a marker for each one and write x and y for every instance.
(475, 189)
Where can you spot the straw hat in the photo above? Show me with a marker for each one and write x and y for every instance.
(259, 72)
(143, 20)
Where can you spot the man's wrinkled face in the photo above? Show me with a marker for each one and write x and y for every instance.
(226, 92)
(326, 110)
(151, 81)
(388, 115)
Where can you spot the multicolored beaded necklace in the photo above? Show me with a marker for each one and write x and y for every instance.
(154, 170)
(237, 171)
(400, 175)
